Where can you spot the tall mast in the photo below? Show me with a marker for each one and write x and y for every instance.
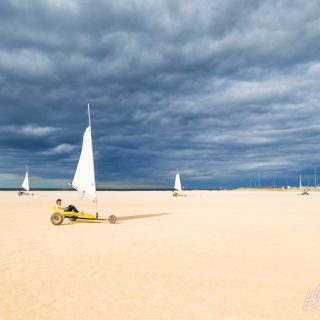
(315, 177)
(89, 115)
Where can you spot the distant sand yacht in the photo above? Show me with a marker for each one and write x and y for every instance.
(177, 185)
(305, 192)
(25, 184)
(300, 184)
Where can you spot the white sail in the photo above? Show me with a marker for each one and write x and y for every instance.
(84, 178)
(25, 183)
(300, 186)
(177, 183)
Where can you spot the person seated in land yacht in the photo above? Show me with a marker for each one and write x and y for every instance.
(69, 208)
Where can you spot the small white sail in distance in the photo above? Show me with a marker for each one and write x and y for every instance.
(177, 183)
(84, 179)
(25, 183)
(300, 185)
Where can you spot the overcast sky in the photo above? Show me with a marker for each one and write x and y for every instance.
(220, 89)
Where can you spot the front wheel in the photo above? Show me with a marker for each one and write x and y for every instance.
(112, 219)
(57, 218)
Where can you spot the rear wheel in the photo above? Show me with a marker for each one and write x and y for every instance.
(57, 218)
(73, 218)
(112, 219)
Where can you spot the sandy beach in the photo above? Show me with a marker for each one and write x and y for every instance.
(211, 255)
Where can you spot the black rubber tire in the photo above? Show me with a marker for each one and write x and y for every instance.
(112, 219)
(57, 218)
(72, 218)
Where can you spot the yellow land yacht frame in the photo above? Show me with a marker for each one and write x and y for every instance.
(58, 216)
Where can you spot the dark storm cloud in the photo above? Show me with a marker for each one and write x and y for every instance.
(221, 89)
